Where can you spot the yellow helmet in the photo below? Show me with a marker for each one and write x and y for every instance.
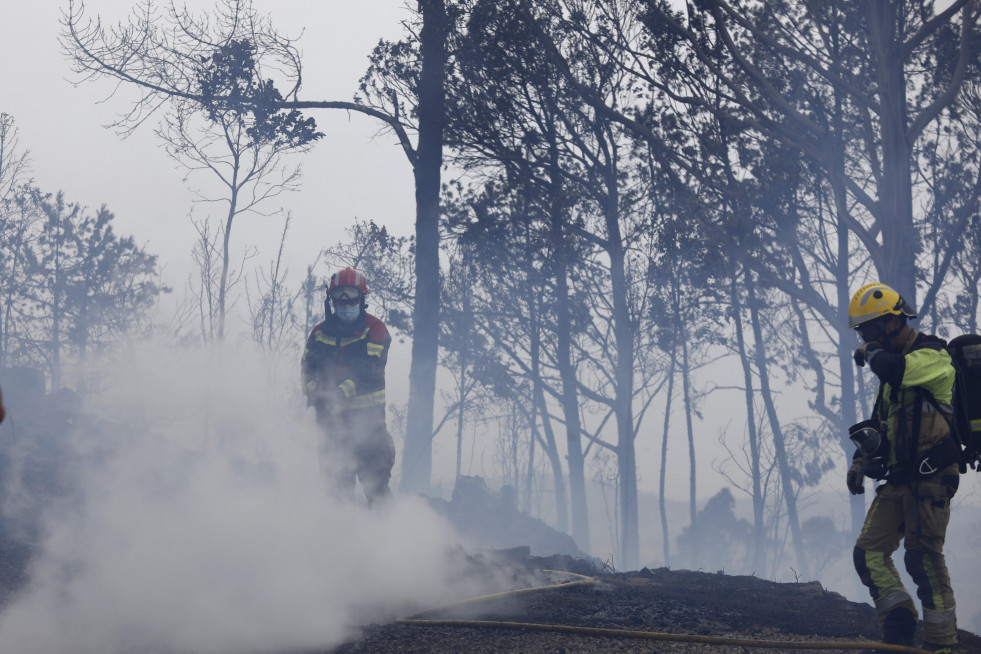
(874, 300)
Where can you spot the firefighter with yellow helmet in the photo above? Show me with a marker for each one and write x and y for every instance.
(908, 446)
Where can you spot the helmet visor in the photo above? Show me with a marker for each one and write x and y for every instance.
(873, 330)
(345, 295)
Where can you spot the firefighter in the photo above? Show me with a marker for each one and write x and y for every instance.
(343, 376)
(917, 458)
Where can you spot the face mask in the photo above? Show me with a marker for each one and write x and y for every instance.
(347, 313)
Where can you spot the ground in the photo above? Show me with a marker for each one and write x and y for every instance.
(665, 601)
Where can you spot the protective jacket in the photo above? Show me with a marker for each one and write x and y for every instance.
(913, 506)
(344, 364)
(912, 423)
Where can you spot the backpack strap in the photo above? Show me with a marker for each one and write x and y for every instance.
(942, 454)
(948, 450)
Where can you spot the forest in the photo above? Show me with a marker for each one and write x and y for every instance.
(615, 200)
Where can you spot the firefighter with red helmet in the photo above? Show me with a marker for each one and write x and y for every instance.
(343, 376)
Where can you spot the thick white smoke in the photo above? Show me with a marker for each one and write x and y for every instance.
(202, 523)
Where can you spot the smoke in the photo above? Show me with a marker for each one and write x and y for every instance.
(198, 520)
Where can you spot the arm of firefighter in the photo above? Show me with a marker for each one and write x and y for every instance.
(313, 388)
(307, 380)
(310, 379)
(855, 478)
(866, 352)
(379, 341)
(888, 367)
(347, 388)
(3, 412)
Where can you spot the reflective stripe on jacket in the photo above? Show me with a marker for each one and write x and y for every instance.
(348, 358)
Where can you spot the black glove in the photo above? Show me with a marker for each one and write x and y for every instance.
(855, 479)
(866, 352)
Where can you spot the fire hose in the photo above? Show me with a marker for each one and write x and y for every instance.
(582, 580)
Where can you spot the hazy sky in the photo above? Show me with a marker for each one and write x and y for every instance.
(349, 173)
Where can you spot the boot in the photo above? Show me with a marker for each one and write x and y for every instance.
(940, 649)
(899, 626)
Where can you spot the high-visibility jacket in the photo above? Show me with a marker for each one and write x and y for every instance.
(345, 363)
(913, 424)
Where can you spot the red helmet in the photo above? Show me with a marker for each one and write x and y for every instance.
(348, 277)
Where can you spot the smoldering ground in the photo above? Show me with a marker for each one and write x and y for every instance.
(192, 516)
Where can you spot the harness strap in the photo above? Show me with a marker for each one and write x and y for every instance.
(941, 455)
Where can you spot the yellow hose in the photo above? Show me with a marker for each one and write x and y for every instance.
(582, 580)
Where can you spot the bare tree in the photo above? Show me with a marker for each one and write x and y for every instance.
(465, 352)
(505, 123)
(19, 209)
(249, 173)
(512, 311)
(14, 162)
(19, 219)
(274, 320)
(406, 89)
(221, 115)
(213, 273)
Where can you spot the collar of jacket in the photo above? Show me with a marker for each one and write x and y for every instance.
(909, 341)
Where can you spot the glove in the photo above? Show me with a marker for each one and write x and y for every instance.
(318, 393)
(345, 390)
(855, 479)
(313, 388)
(866, 352)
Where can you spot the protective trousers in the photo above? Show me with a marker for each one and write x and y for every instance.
(918, 514)
(356, 445)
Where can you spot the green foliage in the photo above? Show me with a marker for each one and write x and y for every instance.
(230, 85)
(71, 286)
